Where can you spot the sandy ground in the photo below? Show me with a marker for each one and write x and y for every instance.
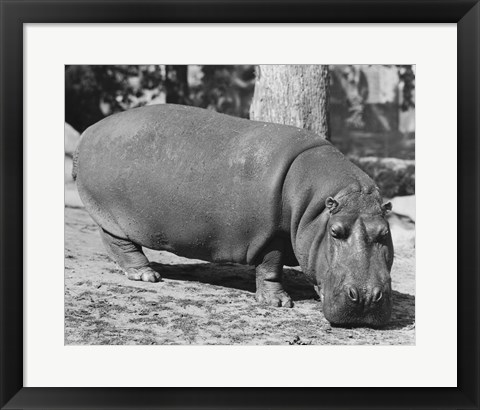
(204, 303)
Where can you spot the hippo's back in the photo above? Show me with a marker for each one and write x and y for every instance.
(199, 183)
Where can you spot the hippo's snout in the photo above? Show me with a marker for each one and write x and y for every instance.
(359, 306)
(368, 296)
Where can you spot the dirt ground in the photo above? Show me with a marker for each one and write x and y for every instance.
(204, 303)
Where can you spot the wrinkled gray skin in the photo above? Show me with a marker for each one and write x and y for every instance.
(213, 187)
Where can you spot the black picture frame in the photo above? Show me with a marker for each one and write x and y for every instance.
(466, 13)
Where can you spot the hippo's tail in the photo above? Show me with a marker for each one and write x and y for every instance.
(75, 165)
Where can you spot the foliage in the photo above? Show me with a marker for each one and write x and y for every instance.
(94, 92)
(350, 82)
(407, 79)
(227, 89)
(350, 88)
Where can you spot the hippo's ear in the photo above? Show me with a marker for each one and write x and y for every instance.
(386, 207)
(331, 204)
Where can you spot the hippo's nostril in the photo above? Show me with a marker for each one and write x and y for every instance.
(353, 294)
(376, 295)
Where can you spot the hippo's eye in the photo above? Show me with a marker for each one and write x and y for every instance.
(338, 231)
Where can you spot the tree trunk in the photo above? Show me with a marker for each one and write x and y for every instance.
(293, 95)
(176, 84)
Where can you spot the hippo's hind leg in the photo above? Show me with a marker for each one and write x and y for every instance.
(269, 274)
(130, 258)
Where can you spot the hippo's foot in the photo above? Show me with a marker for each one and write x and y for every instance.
(127, 254)
(273, 294)
(145, 274)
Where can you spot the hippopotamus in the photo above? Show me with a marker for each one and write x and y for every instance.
(210, 186)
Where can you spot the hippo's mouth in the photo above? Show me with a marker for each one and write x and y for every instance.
(346, 315)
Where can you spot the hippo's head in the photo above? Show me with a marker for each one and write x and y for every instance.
(351, 259)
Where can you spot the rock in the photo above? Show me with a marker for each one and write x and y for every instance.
(394, 176)
(68, 169)
(72, 199)
(405, 206)
(72, 138)
(402, 221)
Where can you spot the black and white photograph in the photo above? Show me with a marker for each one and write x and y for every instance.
(239, 204)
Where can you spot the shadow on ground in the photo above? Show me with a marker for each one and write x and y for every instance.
(234, 276)
(242, 277)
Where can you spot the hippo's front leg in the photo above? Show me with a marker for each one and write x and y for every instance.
(130, 258)
(269, 276)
